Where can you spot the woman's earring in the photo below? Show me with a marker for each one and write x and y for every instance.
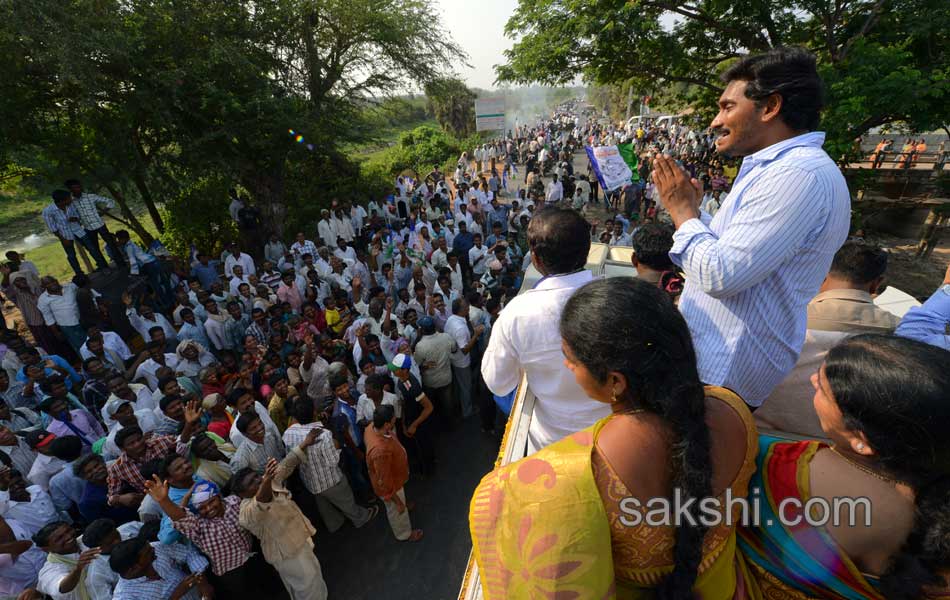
(860, 446)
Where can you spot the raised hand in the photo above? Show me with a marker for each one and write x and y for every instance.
(679, 193)
(193, 412)
(311, 438)
(157, 489)
(87, 557)
(270, 471)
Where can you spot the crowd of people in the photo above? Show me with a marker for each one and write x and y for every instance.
(180, 436)
(284, 383)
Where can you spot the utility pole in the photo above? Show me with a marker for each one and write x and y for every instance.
(629, 103)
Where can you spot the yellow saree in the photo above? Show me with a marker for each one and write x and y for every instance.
(540, 529)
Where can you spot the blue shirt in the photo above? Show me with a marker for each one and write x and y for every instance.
(752, 269)
(206, 274)
(463, 242)
(929, 323)
(66, 489)
(498, 215)
(138, 258)
(72, 378)
(194, 332)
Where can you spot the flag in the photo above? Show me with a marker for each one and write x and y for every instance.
(630, 157)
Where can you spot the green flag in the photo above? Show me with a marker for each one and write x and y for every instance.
(630, 157)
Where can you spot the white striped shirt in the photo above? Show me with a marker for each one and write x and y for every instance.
(752, 269)
(321, 471)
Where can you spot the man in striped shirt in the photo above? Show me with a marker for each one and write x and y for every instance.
(321, 473)
(751, 270)
(62, 220)
(88, 207)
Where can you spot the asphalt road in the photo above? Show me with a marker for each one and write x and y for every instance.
(368, 563)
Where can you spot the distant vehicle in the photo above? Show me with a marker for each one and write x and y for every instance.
(658, 120)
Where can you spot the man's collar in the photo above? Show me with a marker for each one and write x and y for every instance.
(564, 281)
(845, 294)
(812, 138)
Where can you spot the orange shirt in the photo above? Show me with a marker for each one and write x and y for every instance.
(387, 462)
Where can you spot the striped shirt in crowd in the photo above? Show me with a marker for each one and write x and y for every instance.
(322, 470)
(87, 206)
(752, 269)
(58, 222)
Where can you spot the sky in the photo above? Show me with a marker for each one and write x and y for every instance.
(478, 27)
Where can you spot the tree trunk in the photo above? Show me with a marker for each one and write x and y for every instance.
(146, 194)
(930, 233)
(134, 223)
(267, 189)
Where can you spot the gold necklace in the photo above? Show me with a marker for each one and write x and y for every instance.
(865, 469)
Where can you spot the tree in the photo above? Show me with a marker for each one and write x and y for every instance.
(155, 99)
(883, 61)
(453, 105)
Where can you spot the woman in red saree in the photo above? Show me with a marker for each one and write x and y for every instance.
(884, 402)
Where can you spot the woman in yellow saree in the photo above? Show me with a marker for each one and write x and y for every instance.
(884, 402)
(586, 518)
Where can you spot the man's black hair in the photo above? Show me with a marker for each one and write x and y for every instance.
(125, 433)
(125, 555)
(97, 531)
(66, 448)
(560, 239)
(859, 262)
(41, 538)
(788, 71)
(383, 414)
(651, 244)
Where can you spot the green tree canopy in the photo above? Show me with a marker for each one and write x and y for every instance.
(453, 105)
(883, 61)
(160, 100)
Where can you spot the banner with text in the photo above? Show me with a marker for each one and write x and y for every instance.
(490, 114)
(609, 166)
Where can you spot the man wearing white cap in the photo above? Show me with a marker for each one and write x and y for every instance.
(121, 413)
(416, 410)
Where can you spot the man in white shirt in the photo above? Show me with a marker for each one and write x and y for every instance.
(341, 222)
(107, 346)
(236, 257)
(440, 256)
(526, 337)
(478, 256)
(237, 279)
(156, 360)
(19, 569)
(145, 318)
(30, 505)
(63, 573)
(374, 395)
(326, 230)
(345, 252)
(465, 338)
(555, 191)
(60, 311)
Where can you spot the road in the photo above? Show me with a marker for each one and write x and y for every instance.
(368, 563)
